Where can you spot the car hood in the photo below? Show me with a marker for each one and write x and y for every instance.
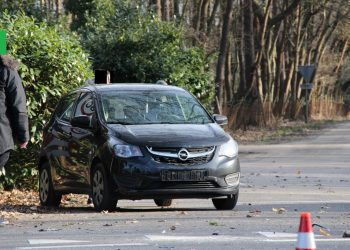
(171, 135)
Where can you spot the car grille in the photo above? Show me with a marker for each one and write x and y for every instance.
(189, 185)
(181, 185)
(169, 155)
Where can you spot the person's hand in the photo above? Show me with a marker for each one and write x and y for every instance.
(23, 145)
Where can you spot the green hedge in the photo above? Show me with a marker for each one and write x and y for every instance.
(52, 63)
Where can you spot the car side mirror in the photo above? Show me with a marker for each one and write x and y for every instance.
(220, 119)
(82, 121)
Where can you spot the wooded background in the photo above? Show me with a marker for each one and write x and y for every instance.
(253, 49)
(239, 57)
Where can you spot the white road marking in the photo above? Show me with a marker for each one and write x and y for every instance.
(83, 246)
(317, 240)
(205, 238)
(53, 241)
(265, 147)
(228, 238)
(295, 202)
(290, 237)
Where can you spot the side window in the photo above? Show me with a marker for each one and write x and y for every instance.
(85, 105)
(64, 110)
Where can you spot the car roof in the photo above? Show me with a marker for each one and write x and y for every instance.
(130, 87)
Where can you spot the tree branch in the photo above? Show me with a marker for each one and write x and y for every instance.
(275, 20)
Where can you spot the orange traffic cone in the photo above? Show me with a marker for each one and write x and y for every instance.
(306, 239)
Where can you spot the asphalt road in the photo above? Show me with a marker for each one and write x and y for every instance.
(278, 182)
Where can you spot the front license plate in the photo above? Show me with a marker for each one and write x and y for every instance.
(183, 175)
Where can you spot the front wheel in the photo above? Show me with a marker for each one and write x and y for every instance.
(228, 203)
(102, 195)
(47, 195)
(163, 202)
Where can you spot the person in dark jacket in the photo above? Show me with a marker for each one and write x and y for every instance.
(13, 111)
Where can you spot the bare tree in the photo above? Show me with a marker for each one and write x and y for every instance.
(220, 68)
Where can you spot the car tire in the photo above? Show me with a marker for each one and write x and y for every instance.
(228, 203)
(163, 202)
(47, 195)
(102, 196)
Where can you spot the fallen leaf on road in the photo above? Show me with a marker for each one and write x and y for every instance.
(107, 225)
(255, 211)
(172, 228)
(325, 232)
(279, 210)
(213, 223)
(184, 213)
(131, 222)
(49, 230)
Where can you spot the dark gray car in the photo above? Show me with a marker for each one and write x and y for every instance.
(137, 141)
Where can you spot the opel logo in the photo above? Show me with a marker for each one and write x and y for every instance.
(183, 154)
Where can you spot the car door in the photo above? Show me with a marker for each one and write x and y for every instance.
(60, 157)
(83, 143)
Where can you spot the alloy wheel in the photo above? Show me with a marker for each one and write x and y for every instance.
(98, 187)
(44, 185)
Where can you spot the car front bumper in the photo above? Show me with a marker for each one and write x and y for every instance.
(140, 178)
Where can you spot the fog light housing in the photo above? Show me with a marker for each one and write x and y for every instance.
(232, 179)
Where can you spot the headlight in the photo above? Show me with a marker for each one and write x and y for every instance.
(229, 149)
(127, 151)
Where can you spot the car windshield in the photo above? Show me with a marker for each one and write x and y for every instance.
(152, 107)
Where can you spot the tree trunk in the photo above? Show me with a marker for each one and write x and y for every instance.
(220, 69)
(242, 63)
(197, 17)
(204, 16)
(176, 9)
(159, 8)
(166, 10)
(228, 75)
(341, 60)
(57, 3)
(212, 17)
(249, 47)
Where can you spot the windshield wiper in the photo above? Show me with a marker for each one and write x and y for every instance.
(120, 122)
(167, 123)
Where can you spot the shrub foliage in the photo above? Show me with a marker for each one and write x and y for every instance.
(141, 48)
(52, 63)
